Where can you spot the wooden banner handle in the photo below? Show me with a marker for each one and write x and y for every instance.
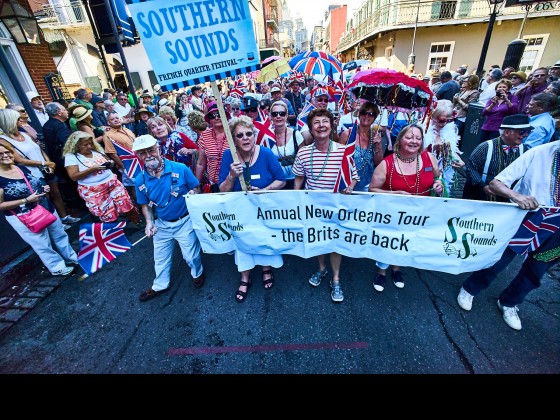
(225, 123)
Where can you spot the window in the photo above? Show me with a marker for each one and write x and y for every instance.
(440, 55)
(533, 52)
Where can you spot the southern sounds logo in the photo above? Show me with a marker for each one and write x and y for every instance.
(221, 226)
(465, 235)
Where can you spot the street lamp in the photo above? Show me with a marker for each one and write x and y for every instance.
(22, 25)
(494, 6)
(412, 56)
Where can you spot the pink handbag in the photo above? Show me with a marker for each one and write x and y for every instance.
(38, 218)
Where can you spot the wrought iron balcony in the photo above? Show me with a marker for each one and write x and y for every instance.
(71, 13)
(272, 18)
(402, 14)
(269, 43)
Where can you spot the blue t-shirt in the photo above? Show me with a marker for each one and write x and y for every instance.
(263, 172)
(166, 192)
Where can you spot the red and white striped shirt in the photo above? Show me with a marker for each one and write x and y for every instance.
(317, 178)
(214, 151)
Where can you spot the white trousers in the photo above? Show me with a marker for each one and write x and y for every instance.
(164, 241)
(51, 245)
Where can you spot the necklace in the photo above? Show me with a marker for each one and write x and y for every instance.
(406, 160)
(18, 137)
(555, 180)
(285, 142)
(364, 155)
(247, 169)
(416, 183)
(315, 178)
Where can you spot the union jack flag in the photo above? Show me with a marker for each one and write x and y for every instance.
(265, 135)
(101, 243)
(302, 117)
(344, 178)
(132, 165)
(536, 228)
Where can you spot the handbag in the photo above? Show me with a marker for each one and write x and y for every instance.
(38, 218)
(289, 160)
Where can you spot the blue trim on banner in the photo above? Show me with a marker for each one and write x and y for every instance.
(211, 78)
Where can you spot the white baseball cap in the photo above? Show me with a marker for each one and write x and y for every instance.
(143, 142)
(32, 95)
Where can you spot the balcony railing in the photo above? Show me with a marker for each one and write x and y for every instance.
(402, 14)
(272, 18)
(269, 43)
(68, 14)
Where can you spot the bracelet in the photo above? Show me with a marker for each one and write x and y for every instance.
(24, 201)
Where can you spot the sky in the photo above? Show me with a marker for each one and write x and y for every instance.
(313, 11)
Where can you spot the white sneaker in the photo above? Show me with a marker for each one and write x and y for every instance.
(70, 219)
(464, 299)
(510, 316)
(66, 227)
(64, 272)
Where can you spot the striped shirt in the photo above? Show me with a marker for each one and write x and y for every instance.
(322, 174)
(214, 151)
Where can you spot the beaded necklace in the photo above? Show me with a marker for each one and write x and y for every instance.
(315, 178)
(416, 183)
(365, 154)
(555, 180)
(406, 160)
(247, 170)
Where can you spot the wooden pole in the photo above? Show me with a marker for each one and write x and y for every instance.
(223, 117)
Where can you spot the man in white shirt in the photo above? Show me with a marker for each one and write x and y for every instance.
(36, 102)
(492, 78)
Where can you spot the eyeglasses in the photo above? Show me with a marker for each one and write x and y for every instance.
(539, 75)
(122, 98)
(445, 120)
(6, 153)
(523, 132)
(145, 152)
(251, 110)
(234, 109)
(278, 113)
(247, 134)
(213, 116)
(369, 113)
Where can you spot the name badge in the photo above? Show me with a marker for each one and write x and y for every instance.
(428, 169)
(256, 176)
(174, 175)
(142, 187)
(174, 193)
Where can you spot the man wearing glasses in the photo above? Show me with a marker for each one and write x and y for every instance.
(160, 190)
(537, 84)
(250, 107)
(492, 156)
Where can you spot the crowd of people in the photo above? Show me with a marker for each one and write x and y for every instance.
(181, 138)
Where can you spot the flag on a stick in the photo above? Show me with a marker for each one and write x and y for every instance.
(101, 243)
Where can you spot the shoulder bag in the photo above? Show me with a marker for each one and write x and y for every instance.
(289, 160)
(38, 218)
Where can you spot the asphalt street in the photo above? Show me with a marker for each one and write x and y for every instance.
(97, 325)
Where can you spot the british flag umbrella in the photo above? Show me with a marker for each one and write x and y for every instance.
(392, 90)
(317, 62)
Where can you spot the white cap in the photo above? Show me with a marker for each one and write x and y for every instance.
(32, 94)
(143, 142)
(163, 102)
(275, 89)
(157, 88)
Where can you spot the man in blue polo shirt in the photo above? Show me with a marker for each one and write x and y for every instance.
(160, 190)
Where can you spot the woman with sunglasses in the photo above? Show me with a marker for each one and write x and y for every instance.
(442, 140)
(288, 141)
(212, 144)
(23, 123)
(410, 170)
(368, 146)
(261, 171)
(16, 197)
(496, 109)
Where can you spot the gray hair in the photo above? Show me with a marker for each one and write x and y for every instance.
(81, 94)
(279, 103)
(244, 121)
(53, 108)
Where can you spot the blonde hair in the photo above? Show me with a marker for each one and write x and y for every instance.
(197, 121)
(71, 145)
(8, 121)
(444, 106)
(153, 120)
(168, 112)
(279, 103)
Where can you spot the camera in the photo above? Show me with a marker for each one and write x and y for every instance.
(107, 164)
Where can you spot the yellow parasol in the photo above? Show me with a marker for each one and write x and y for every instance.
(274, 70)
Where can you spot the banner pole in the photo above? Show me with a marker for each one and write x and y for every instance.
(229, 137)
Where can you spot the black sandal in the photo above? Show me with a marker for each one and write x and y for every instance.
(240, 296)
(268, 283)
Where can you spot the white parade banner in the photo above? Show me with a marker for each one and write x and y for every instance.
(440, 234)
(190, 42)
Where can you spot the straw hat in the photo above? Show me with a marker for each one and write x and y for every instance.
(81, 113)
(137, 115)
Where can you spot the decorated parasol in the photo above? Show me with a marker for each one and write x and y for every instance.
(269, 60)
(273, 70)
(392, 90)
(316, 62)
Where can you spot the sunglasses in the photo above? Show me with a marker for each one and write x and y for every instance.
(246, 134)
(445, 120)
(523, 132)
(251, 110)
(235, 109)
(369, 113)
(278, 113)
(213, 116)
(321, 100)
(21, 111)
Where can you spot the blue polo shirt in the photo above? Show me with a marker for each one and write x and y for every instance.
(166, 192)
(543, 129)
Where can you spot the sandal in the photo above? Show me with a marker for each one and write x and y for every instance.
(240, 296)
(268, 283)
